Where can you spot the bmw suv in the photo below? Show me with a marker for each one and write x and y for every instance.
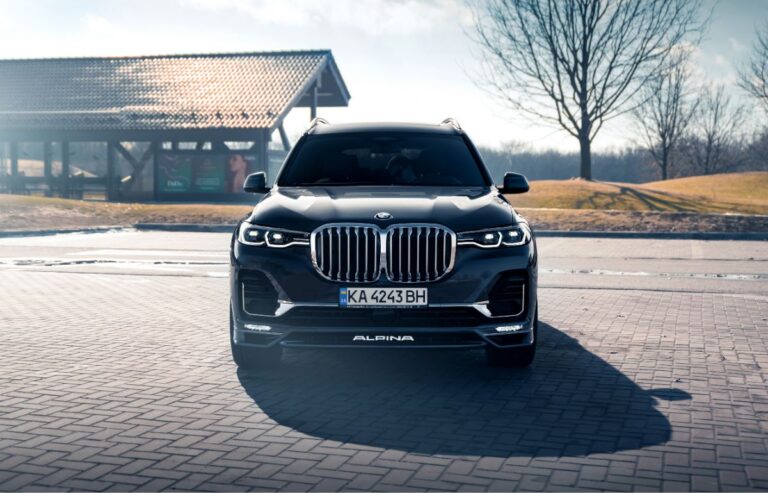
(383, 236)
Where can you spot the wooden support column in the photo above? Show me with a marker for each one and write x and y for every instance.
(14, 159)
(284, 137)
(262, 151)
(65, 170)
(48, 167)
(111, 188)
(136, 164)
(155, 146)
(313, 107)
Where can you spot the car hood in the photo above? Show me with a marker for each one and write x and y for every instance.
(461, 209)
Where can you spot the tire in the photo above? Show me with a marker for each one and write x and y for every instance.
(514, 357)
(253, 358)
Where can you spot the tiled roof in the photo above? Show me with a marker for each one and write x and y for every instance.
(238, 90)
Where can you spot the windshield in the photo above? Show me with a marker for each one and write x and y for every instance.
(383, 159)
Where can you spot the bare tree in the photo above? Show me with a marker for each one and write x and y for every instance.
(578, 63)
(754, 77)
(666, 112)
(715, 142)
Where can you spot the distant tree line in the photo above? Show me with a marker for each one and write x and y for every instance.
(694, 156)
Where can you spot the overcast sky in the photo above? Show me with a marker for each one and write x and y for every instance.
(403, 60)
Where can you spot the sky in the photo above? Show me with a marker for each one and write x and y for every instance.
(403, 60)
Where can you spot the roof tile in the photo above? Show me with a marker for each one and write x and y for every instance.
(239, 90)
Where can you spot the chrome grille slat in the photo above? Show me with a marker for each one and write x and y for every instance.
(338, 235)
(346, 274)
(417, 269)
(402, 251)
(346, 252)
(411, 258)
(436, 235)
(408, 253)
(365, 275)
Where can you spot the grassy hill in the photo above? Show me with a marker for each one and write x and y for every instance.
(686, 204)
(745, 193)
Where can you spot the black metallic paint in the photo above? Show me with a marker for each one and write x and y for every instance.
(461, 209)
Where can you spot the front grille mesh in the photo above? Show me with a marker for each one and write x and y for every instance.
(259, 295)
(314, 317)
(347, 253)
(412, 253)
(507, 298)
(419, 253)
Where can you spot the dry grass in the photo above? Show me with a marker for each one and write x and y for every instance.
(744, 193)
(644, 221)
(20, 213)
(737, 188)
(710, 203)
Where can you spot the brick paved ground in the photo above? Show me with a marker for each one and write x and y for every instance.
(125, 382)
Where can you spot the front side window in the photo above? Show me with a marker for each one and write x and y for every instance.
(383, 159)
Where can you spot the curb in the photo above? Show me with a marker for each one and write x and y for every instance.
(190, 228)
(228, 228)
(693, 235)
(51, 232)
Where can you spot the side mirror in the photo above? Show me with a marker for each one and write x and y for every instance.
(256, 183)
(515, 183)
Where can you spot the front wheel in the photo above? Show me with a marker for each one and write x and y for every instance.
(253, 358)
(514, 357)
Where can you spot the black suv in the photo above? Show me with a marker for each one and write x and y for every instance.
(383, 236)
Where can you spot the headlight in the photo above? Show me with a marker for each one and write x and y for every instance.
(496, 237)
(251, 234)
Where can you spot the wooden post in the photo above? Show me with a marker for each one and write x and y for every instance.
(284, 137)
(65, 169)
(48, 167)
(111, 192)
(262, 151)
(155, 146)
(14, 159)
(313, 107)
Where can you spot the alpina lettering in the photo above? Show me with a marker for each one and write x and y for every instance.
(383, 338)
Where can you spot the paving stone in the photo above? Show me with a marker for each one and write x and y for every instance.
(133, 387)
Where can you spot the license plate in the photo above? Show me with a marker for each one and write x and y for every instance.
(389, 297)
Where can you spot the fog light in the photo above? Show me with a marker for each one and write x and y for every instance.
(510, 328)
(257, 328)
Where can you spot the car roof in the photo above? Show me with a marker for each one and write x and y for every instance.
(343, 128)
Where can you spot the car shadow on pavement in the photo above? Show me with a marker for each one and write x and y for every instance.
(569, 403)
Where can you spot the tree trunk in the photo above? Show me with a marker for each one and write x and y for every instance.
(664, 164)
(586, 157)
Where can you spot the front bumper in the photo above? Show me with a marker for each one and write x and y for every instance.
(516, 334)
(306, 313)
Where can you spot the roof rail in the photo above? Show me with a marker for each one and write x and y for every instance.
(452, 122)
